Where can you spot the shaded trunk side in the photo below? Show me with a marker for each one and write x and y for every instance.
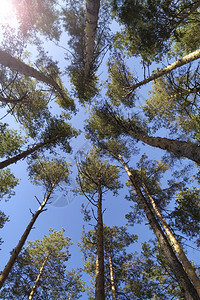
(100, 285)
(190, 270)
(172, 261)
(33, 289)
(179, 148)
(21, 243)
(23, 154)
(92, 11)
(111, 274)
(180, 62)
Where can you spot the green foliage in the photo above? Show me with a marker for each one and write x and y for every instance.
(186, 212)
(93, 169)
(57, 127)
(10, 141)
(174, 102)
(116, 240)
(148, 25)
(56, 282)
(48, 172)
(74, 22)
(119, 80)
(36, 16)
(7, 183)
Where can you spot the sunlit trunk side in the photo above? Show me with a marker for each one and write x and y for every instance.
(180, 62)
(111, 273)
(92, 11)
(21, 243)
(24, 154)
(15, 64)
(179, 148)
(190, 270)
(100, 286)
(172, 261)
(33, 289)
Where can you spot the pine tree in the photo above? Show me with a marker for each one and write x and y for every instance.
(41, 272)
(96, 176)
(48, 174)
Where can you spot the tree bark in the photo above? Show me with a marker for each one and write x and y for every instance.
(180, 62)
(172, 261)
(15, 64)
(190, 270)
(21, 243)
(99, 287)
(92, 11)
(33, 289)
(23, 154)
(111, 274)
(179, 148)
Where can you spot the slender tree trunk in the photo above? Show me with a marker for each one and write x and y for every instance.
(180, 62)
(33, 289)
(99, 287)
(23, 154)
(92, 11)
(14, 101)
(111, 274)
(190, 270)
(173, 262)
(21, 243)
(179, 148)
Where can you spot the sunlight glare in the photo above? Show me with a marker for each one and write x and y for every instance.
(6, 12)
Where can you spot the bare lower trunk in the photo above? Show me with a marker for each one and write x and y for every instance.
(174, 264)
(111, 274)
(33, 289)
(190, 270)
(179, 148)
(92, 11)
(15, 64)
(21, 243)
(99, 287)
(180, 62)
(23, 154)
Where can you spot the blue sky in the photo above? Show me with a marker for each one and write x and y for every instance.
(65, 213)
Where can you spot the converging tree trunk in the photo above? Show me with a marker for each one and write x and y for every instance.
(33, 289)
(21, 243)
(99, 287)
(173, 262)
(92, 11)
(15, 64)
(179, 148)
(190, 270)
(111, 273)
(23, 154)
(180, 62)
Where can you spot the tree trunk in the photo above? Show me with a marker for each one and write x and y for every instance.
(15, 64)
(180, 62)
(179, 148)
(99, 287)
(92, 11)
(21, 243)
(173, 262)
(111, 274)
(190, 270)
(33, 289)
(23, 154)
